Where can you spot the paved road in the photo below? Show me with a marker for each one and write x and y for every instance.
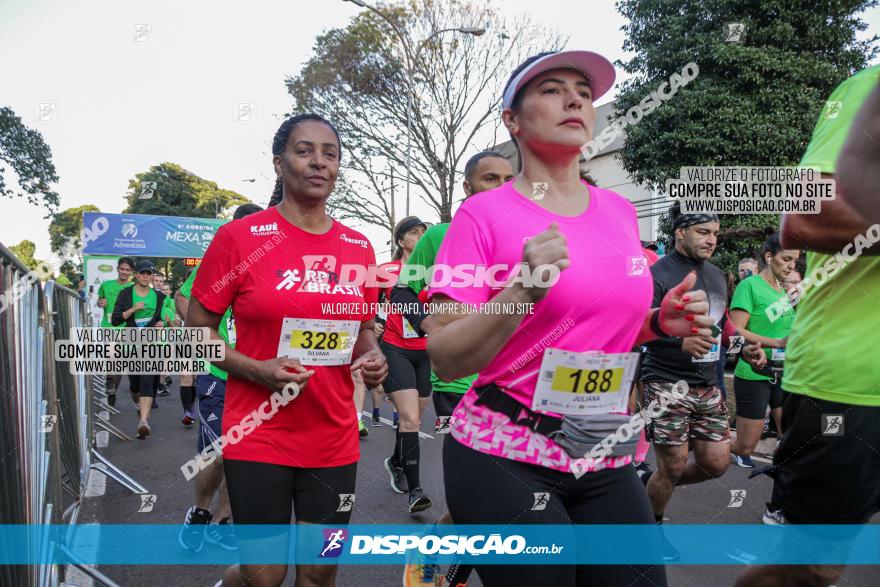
(156, 462)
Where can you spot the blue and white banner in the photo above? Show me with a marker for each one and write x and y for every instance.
(142, 235)
(374, 544)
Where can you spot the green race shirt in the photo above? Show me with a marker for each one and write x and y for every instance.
(168, 311)
(754, 295)
(423, 256)
(109, 290)
(227, 324)
(145, 314)
(832, 350)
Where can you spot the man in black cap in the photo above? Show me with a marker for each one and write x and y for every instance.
(701, 416)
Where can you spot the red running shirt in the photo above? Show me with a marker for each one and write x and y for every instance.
(267, 269)
(394, 322)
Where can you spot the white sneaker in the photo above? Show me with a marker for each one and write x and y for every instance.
(772, 518)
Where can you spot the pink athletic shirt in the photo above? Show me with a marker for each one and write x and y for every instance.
(598, 304)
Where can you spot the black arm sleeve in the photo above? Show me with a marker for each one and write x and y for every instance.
(403, 296)
(157, 315)
(123, 303)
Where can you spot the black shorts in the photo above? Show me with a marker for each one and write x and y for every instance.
(407, 369)
(753, 397)
(445, 402)
(263, 493)
(211, 392)
(508, 491)
(144, 385)
(827, 474)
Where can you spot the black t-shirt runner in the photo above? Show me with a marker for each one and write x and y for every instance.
(664, 359)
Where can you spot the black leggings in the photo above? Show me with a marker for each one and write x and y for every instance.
(482, 489)
(144, 385)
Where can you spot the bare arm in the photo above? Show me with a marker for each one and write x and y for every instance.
(272, 373)
(181, 303)
(741, 318)
(368, 357)
(461, 343)
(858, 167)
(827, 232)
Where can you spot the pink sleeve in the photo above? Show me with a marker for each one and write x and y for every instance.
(464, 246)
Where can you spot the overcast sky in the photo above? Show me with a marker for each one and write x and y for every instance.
(127, 98)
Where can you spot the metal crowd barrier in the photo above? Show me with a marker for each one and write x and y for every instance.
(47, 416)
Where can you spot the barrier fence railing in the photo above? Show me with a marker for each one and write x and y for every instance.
(47, 416)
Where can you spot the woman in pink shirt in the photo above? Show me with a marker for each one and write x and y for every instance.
(572, 250)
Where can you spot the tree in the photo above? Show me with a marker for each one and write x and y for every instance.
(357, 79)
(168, 189)
(64, 237)
(178, 192)
(754, 102)
(24, 150)
(25, 251)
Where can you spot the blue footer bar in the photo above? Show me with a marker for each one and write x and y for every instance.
(371, 544)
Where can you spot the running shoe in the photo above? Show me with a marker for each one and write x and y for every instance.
(772, 517)
(163, 391)
(376, 422)
(742, 461)
(143, 429)
(187, 418)
(221, 534)
(644, 471)
(398, 479)
(111, 399)
(362, 429)
(418, 501)
(192, 535)
(168, 381)
(457, 574)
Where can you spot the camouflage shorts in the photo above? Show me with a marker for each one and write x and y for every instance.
(702, 414)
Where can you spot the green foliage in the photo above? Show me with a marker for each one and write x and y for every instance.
(25, 251)
(754, 102)
(65, 231)
(178, 192)
(24, 150)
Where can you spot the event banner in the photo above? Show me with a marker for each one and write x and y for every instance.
(142, 235)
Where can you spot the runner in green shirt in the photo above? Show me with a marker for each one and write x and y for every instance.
(827, 466)
(108, 291)
(749, 312)
(484, 171)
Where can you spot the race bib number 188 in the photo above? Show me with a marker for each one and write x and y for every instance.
(584, 383)
(318, 342)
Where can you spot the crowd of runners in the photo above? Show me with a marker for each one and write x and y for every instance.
(598, 323)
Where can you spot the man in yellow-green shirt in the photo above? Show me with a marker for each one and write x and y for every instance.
(828, 462)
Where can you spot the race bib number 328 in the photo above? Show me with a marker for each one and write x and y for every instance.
(318, 342)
